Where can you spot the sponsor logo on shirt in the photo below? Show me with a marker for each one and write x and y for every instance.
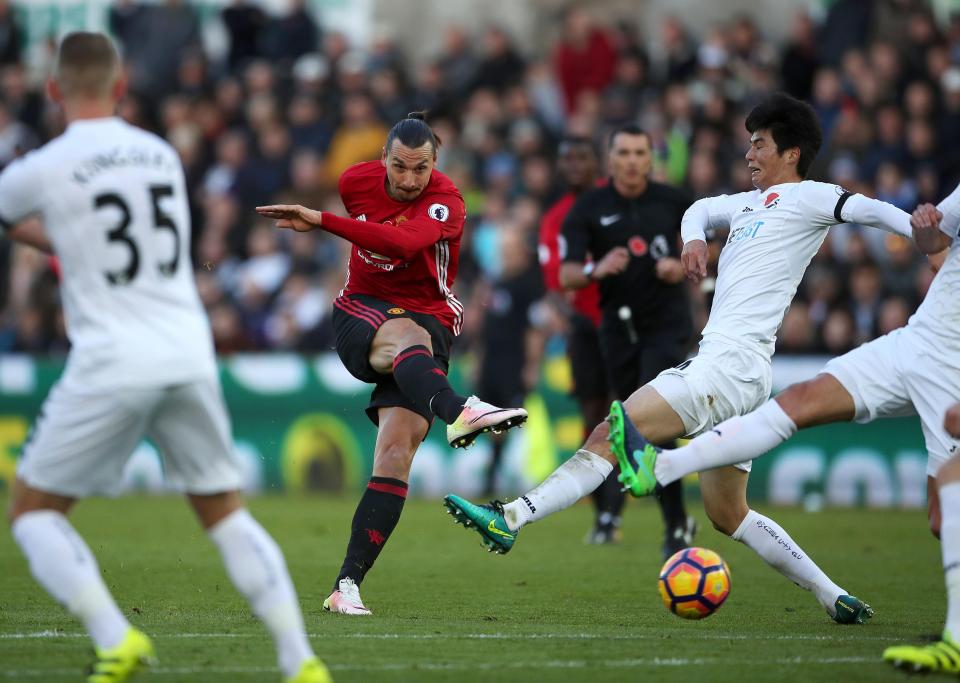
(746, 209)
(606, 221)
(771, 201)
(745, 232)
(378, 261)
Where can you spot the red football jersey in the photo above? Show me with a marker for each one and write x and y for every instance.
(406, 253)
(586, 301)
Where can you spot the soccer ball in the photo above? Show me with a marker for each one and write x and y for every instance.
(694, 582)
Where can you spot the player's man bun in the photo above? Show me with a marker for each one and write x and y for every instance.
(413, 132)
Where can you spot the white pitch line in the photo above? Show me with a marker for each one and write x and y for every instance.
(639, 663)
(41, 635)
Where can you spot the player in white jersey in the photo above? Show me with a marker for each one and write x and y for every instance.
(774, 233)
(911, 370)
(914, 370)
(112, 205)
(943, 655)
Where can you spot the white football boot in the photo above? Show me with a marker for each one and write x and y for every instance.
(478, 417)
(346, 599)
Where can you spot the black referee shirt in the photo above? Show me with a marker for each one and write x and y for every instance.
(649, 227)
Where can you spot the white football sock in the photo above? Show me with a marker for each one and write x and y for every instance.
(950, 550)
(570, 482)
(774, 545)
(256, 567)
(740, 438)
(62, 563)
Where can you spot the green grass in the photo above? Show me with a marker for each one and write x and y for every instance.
(445, 610)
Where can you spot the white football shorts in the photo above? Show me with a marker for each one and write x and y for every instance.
(902, 374)
(82, 439)
(722, 381)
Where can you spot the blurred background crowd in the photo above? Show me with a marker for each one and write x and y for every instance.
(292, 104)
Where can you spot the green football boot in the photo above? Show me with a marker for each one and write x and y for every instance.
(119, 664)
(636, 455)
(312, 671)
(942, 656)
(851, 610)
(486, 519)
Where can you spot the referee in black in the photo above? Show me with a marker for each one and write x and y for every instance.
(631, 229)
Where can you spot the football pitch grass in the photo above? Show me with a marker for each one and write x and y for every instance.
(445, 610)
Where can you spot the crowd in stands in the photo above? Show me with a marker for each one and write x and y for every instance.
(292, 104)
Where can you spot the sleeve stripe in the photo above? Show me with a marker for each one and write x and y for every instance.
(838, 209)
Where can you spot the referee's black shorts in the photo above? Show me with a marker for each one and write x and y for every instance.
(356, 319)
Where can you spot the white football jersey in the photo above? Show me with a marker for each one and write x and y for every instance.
(937, 320)
(113, 199)
(773, 236)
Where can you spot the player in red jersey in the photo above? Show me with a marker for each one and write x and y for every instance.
(395, 320)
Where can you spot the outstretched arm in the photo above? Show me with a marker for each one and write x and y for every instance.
(874, 213)
(401, 241)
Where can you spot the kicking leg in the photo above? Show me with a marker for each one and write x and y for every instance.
(403, 348)
(725, 502)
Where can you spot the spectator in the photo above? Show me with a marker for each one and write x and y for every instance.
(457, 62)
(308, 128)
(160, 36)
(25, 104)
(294, 34)
(244, 23)
(16, 138)
(800, 60)
(865, 290)
(11, 38)
(838, 333)
(359, 138)
(680, 51)
(500, 66)
(847, 25)
(585, 57)
(128, 21)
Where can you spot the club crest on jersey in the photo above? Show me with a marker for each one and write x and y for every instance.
(396, 311)
(439, 212)
(361, 217)
(771, 200)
